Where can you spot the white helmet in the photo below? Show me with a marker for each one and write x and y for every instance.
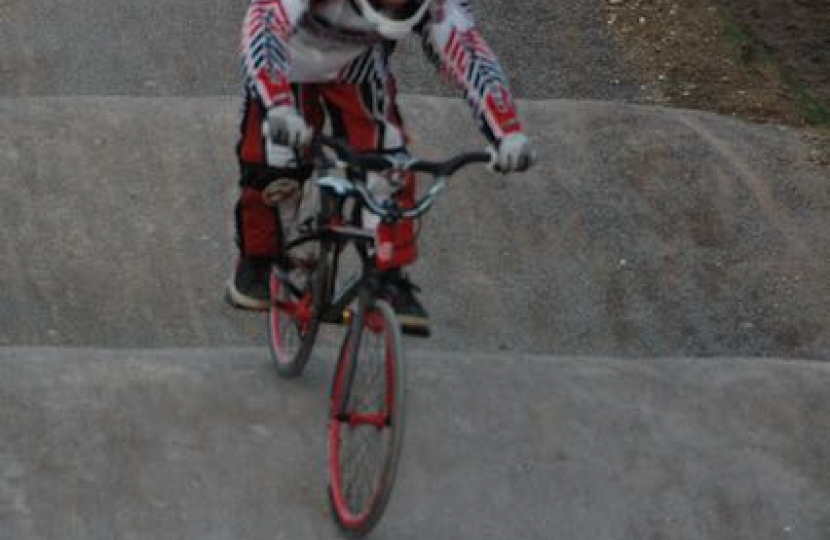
(393, 19)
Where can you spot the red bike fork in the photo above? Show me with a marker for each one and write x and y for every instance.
(372, 321)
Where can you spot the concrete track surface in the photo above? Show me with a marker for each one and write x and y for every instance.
(210, 444)
(643, 232)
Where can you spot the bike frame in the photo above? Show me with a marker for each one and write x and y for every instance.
(335, 235)
(336, 238)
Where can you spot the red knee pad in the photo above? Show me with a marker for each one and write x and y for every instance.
(258, 225)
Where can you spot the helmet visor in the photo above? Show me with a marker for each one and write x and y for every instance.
(397, 10)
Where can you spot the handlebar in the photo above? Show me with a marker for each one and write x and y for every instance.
(440, 170)
(384, 162)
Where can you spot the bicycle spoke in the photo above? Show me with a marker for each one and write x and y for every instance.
(368, 432)
(362, 456)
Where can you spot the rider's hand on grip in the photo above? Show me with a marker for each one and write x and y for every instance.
(514, 153)
(286, 127)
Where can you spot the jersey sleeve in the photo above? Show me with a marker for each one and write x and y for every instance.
(268, 26)
(454, 44)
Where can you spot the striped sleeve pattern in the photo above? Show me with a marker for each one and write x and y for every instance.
(372, 64)
(267, 27)
(454, 44)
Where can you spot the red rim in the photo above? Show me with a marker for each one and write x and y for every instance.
(299, 311)
(374, 322)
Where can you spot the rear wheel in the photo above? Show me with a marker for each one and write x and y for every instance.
(293, 320)
(366, 419)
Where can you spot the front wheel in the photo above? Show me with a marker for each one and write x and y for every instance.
(366, 418)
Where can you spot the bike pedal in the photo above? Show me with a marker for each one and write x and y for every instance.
(415, 330)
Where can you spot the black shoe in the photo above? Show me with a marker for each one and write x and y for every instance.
(400, 293)
(250, 288)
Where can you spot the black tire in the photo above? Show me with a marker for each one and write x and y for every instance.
(293, 318)
(365, 442)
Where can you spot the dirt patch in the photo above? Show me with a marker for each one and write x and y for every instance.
(796, 32)
(764, 60)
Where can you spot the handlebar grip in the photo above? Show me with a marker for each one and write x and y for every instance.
(450, 167)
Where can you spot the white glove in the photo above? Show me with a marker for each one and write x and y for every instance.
(283, 125)
(514, 153)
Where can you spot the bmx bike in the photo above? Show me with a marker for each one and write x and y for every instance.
(366, 407)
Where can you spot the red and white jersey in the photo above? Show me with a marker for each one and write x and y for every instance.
(318, 41)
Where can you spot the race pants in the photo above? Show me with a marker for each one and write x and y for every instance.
(366, 115)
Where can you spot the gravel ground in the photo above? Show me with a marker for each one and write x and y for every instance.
(549, 49)
(168, 47)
